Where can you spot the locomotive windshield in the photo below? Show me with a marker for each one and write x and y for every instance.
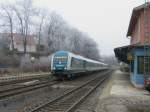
(60, 58)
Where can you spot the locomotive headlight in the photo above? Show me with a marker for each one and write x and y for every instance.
(65, 68)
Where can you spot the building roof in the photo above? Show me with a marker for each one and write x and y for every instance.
(135, 14)
(122, 52)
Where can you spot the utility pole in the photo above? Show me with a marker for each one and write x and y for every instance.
(146, 39)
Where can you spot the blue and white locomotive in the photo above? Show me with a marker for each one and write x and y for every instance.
(65, 64)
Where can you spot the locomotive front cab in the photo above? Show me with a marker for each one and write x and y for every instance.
(60, 61)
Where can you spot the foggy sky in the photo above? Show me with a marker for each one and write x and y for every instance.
(106, 21)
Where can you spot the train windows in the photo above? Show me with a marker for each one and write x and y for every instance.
(73, 63)
(76, 63)
(140, 66)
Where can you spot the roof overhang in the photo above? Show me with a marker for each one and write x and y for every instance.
(122, 52)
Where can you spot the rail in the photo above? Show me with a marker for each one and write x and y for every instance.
(22, 89)
(17, 79)
(70, 100)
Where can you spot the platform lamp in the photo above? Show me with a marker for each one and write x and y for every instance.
(32, 61)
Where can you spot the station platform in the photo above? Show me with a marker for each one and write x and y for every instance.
(119, 95)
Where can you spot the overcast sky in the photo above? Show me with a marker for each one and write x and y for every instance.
(106, 21)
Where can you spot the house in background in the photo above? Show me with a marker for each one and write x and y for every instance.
(31, 42)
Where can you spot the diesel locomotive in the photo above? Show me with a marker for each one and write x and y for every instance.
(65, 64)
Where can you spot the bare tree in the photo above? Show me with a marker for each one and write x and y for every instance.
(41, 22)
(19, 16)
(25, 12)
(55, 33)
(62, 36)
(7, 15)
(75, 41)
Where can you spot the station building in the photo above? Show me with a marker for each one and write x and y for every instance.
(137, 54)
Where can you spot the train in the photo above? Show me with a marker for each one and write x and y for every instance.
(65, 64)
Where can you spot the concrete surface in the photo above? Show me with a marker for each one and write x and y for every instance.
(122, 86)
(119, 95)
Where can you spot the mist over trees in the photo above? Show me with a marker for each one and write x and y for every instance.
(51, 30)
(111, 60)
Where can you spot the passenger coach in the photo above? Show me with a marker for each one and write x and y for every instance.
(65, 64)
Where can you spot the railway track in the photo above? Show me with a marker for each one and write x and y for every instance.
(69, 101)
(23, 89)
(19, 79)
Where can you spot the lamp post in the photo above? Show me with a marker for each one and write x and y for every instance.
(32, 61)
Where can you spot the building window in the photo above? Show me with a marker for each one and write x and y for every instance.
(132, 66)
(140, 66)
